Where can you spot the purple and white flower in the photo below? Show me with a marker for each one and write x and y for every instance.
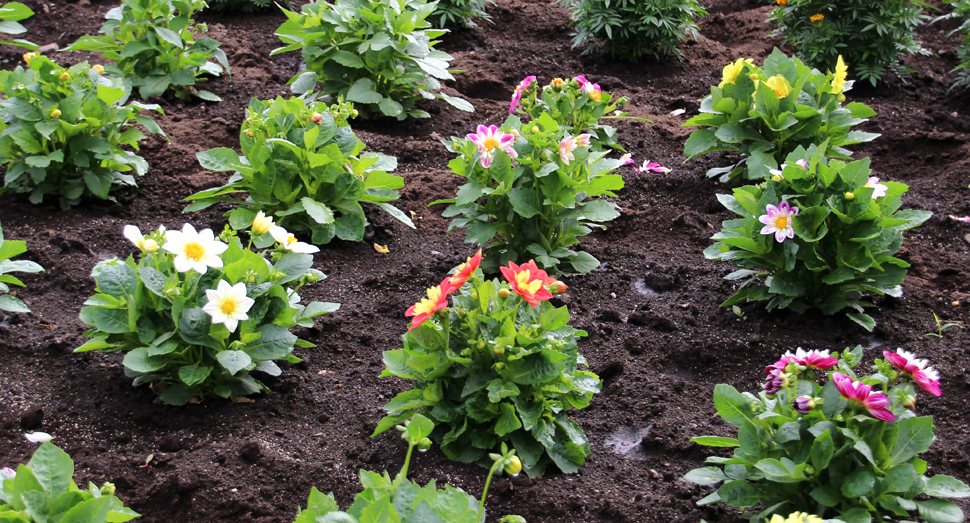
(778, 221)
(490, 138)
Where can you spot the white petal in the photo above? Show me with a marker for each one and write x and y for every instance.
(189, 230)
(182, 263)
(231, 324)
(279, 234)
(211, 260)
(133, 234)
(304, 248)
(38, 437)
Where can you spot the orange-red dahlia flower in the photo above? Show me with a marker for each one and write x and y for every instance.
(528, 281)
(437, 299)
(464, 272)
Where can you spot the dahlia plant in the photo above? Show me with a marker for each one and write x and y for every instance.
(197, 313)
(376, 53)
(11, 13)
(406, 502)
(302, 166)
(63, 131)
(154, 45)
(817, 234)
(459, 13)
(497, 365)
(634, 29)
(539, 206)
(846, 450)
(961, 12)
(576, 105)
(873, 36)
(764, 113)
(43, 490)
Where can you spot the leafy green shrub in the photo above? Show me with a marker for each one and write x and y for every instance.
(244, 6)
(459, 13)
(765, 113)
(846, 451)
(9, 249)
(633, 29)
(540, 207)
(302, 165)
(62, 132)
(376, 53)
(44, 491)
(961, 10)
(11, 13)
(154, 45)
(404, 501)
(872, 36)
(195, 316)
(835, 228)
(499, 365)
(577, 106)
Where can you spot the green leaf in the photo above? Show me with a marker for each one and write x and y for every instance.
(194, 374)
(218, 159)
(499, 389)
(319, 212)
(715, 441)
(525, 202)
(946, 487)
(859, 483)
(554, 318)
(600, 211)
(822, 450)
(91, 511)
(169, 36)
(939, 511)
(139, 361)
(419, 428)
(507, 421)
(53, 468)
(363, 91)
(397, 214)
(739, 493)
(705, 476)
(110, 321)
(915, 436)
(234, 360)
(732, 406)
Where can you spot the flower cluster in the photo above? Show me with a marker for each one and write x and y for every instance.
(527, 280)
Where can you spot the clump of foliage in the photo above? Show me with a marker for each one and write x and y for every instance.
(818, 234)
(154, 44)
(244, 6)
(63, 132)
(302, 165)
(576, 105)
(11, 13)
(765, 113)
(961, 10)
(846, 450)
(378, 54)
(9, 249)
(407, 502)
(499, 365)
(195, 316)
(541, 206)
(44, 491)
(633, 29)
(872, 36)
(459, 13)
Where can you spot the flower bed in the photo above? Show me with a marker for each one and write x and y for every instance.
(657, 337)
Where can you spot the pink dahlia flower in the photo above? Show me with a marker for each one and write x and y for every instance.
(861, 395)
(778, 221)
(566, 147)
(879, 189)
(652, 167)
(965, 219)
(925, 376)
(490, 138)
(627, 159)
(519, 91)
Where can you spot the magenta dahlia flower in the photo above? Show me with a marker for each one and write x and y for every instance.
(490, 138)
(652, 167)
(778, 221)
(925, 376)
(861, 395)
(777, 379)
(519, 91)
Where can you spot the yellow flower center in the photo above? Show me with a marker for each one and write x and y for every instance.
(490, 144)
(290, 240)
(194, 251)
(228, 307)
(427, 305)
(781, 222)
(523, 284)
(596, 95)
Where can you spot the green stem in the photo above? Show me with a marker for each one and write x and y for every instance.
(404, 469)
(488, 481)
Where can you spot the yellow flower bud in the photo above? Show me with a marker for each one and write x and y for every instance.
(99, 68)
(64, 76)
(535, 128)
(249, 133)
(354, 114)
(29, 56)
(56, 113)
(514, 466)
(776, 178)
(503, 293)
(336, 115)
(849, 196)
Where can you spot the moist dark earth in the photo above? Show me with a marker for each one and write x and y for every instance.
(656, 334)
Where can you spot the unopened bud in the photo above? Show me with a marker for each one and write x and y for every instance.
(249, 133)
(424, 445)
(557, 287)
(499, 366)
(777, 178)
(56, 113)
(172, 292)
(99, 68)
(29, 56)
(557, 84)
(503, 293)
(909, 401)
(514, 466)
(64, 76)
(499, 350)
(250, 276)
(354, 113)
(317, 118)
(108, 489)
(515, 133)
(535, 129)
(849, 196)
(335, 115)
(480, 344)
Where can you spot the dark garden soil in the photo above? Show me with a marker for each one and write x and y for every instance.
(656, 334)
